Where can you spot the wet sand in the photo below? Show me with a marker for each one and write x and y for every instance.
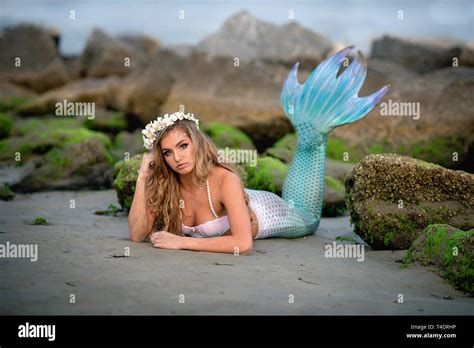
(81, 254)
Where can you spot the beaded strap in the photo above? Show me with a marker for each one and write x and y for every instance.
(210, 201)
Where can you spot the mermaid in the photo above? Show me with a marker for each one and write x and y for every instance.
(185, 198)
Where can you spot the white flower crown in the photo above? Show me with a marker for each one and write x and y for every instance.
(154, 127)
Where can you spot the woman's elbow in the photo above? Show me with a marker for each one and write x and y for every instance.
(245, 247)
(135, 236)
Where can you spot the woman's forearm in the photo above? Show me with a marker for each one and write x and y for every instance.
(137, 216)
(224, 244)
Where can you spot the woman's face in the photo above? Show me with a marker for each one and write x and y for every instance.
(178, 151)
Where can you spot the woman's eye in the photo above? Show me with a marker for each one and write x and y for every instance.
(185, 145)
(166, 153)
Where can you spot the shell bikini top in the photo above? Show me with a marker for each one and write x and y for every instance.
(213, 228)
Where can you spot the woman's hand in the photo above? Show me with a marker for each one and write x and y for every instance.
(166, 240)
(147, 165)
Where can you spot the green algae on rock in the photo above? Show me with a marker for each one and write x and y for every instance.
(6, 124)
(269, 175)
(227, 136)
(393, 198)
(450, 250)
(40, 221)
(125, 177)
(5, 193)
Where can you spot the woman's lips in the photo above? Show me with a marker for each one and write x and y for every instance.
(182, 165)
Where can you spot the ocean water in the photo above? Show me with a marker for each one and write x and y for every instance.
(355, 22)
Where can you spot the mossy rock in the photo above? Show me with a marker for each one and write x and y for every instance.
(450, 250)
(283, 149)
(11, 103)
(38, 137)
(392, 199)
(227, 136)
(438, 150)
(339, 150)
(107, 121)
(40, 221)
(5, 193)
(127, 144)
(334, 197)
(125, 177)
(6, 125)
(269, 175)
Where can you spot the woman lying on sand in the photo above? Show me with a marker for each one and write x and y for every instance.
(184, 189)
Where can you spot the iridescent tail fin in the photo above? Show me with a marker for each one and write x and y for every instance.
(325, 101)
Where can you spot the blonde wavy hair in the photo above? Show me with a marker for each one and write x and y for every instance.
(163, 184)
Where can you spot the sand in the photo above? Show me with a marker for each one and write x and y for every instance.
(81, 270)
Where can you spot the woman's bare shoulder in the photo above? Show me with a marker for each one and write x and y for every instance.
(224, 177)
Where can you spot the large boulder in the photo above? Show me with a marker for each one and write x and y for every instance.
(86, 164)
(142, 93)
(127, 144)
(97, 91)
(449, 250)
(104, 55)
(29, 57)
(225, 136)
(59, 154)
(419, 55)
(12, 95)
(248, 38)
(392, 198)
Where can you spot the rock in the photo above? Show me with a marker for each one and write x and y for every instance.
(145, 45)
(392, 198)
(224, 136)
(125, 178)
(334, 197)
(143, 91)
(106, 121)
(29, 57)
(104, 56)
(11, 95)
(5, 193)
(269, 175)
(248, 38)
(442, 133)
(55, 153)
(128, 144)
(35, 136)
(284, 150)
(6, 125)
(467, 55)
(419, 55)
(96, 91)
(450, 251)
(246, 97)
(81, 161)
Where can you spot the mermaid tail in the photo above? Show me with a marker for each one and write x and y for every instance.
(325, 101)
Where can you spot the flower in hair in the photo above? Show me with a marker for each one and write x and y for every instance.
(153, 128)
